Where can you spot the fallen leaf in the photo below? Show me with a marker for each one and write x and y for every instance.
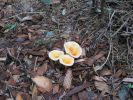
(34, 93)
(102, 86)
(22, 36)
(120, 73)
(97, 78)
(68, 79)
(99, 55)
(36, 53)
(77, 89)
(41, 70)
(128, 80)
(19, 97)
(105, 72)
(92, 96)
(55, 88)
(90, 61)
(3, 98)
(83, 95)
(11, 81)
(43, 83)
(74, 97)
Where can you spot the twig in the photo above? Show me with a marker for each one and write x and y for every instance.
(25, 13)
(3, 59)
(100, 67)
(35, 63)
(128, 52)
(120, 27)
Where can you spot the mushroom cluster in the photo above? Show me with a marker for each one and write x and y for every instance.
(72, 49)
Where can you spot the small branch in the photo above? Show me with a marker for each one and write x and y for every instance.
(25, 13)
(121, 27)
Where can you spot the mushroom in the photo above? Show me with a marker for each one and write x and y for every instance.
(73, 49)
(55, 54)
(66, 60)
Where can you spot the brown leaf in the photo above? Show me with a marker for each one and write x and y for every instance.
(74, 97)
(92, 96)
(55, 88)
(34, 93)
(36, 53)
(120, 73)
(26, 43)
(102, 86)
(105, 72)
(11, 81)
(83, 95)
(68, 79)
(97, 78)
(43, 83)
(90, 61)
(19, 97)
(3, 97)
(99, 55)
(22, 36)
(41, 70)
(77, 89)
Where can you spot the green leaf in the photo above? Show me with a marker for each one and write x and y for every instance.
(9, 27)
(123, 92)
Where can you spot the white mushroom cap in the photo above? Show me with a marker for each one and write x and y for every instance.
(73, 49)
(55, 54)
(66, 60)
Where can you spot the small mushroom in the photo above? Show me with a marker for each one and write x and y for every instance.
(73, 49)
(66, 60)
(55, 54)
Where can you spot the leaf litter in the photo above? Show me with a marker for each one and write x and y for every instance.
(29, 29)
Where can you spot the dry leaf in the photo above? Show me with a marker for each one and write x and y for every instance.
(99, 55)
(120, 73)
(68, 79)
(34, 93)
(128, 80)
(43, 83)
(105, 72)
(74, 97)
(77, 89)
(102, 86)
(22, 36)
(83, 95)
(19, 97)
(41, 70)
(90, 61)
(97, 78)
(55, 88)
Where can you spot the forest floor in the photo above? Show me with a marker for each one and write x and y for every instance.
(29, 30)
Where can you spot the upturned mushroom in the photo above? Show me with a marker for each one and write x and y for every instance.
(73, 49)
(66, 60)
(55, 54)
